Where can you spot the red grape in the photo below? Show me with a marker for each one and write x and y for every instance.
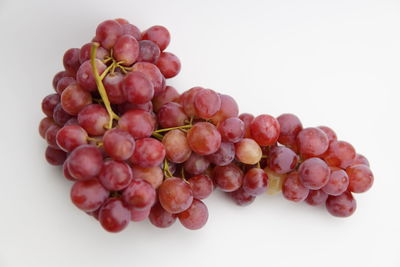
(59, 76)
(148, 52)
(229, 108)
(137, 88)
(228, 178)
(241, 197)
(290, 127)
(265, 130)
(247, 119)
(66, 173)
(138, 123)
(108, 32)
(340, 154)
(123, 108)
(232, 130)
(168, 95)
(85, 162)
(224, 155)
(70, 137)
(60, 116)
(85, 76)
(49, 103)
(312, 142)
(360, 177)
(88, 195)
(118, 144)
(202, 186)
(196, 164)
(316, 197)
(71, 60)
(314, 173)
(171, 115)
(338, 182)
(204, 138)
(51, 135)
(44, 125)
(175, 195)
(293, 189)
(93, 118)
(169, 64)
(101, 52)
(187, 100)
(360, 159)
(160, 217)
(255, 181)
(343, 205)
(206, 103)
(329, 132)
(149, 152)
(282, 159)
(126, 49)
(55, 156)
(64, 83)
(139, 194)
(114, 216)
(176, 146)
(115, 175)
(153, 74)
(159, 35)
(113, 85)
(74, 99)
(195, 217)
(132, 30)
(139, 215)
(248, 151)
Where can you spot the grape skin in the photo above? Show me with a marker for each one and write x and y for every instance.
(169, 64)
(160, 217)
(360, 178)
(204, 138)
(93, 159)
(176, 146)
(195, 217)
(314, 173)
(175, 195)
(255, 182)
(149, 152)
(241, 197)
(115, 175)
(343, 205)
(159, 35)
(265, 130)
(139, 194)
(293, 189)
(228, 178)
(316, 197)
(202, 186)
(88, 195)
(114, 215)
(248, 151)
(118, 144)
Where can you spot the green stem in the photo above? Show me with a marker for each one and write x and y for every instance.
(174, 128)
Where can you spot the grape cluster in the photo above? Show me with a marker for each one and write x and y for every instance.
(135, 148)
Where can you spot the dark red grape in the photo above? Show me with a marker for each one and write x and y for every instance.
(312, 142)
(175, 195)
(126, 49)
(148, 52)
(338, 182)
(85, 162)
(195, 217)
(115, 175)
(314, 173)
(88, 195)
(202, 186)
(60, 116)
(137, 88)
(171, 115)
(160, 217)
(170, 94)
(70, 137)
(290, 127)
(94, 118)
(241, 197)
(118, 144)
(265, 130)
(316, 197)
(44, 125)
(71, 60)
(224, 155)
(49, 103)
(114, 216)
(293, 189)
(55, 156)
(228, 178)
(255, 181)
(232, 130)
(196, 164)
(282, 159)
(108, 32)
(149, 152)
(113, 85)
(343, 205)
(139, 194)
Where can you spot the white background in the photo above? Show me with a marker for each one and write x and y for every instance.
(334, 63)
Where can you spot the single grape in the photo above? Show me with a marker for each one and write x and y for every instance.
(340, 154)
(85, 162)
(204, 138)
(169, 64)
(196, 164)
(139, 215)
(338, 182)
(153, 175)
(64, 83)
(59, 76)
(72, 121)
(275, 181)
(113, 85)
(360, 178)
(101, 52)
(139, 194)
(175, 195)
(241, 197)
(159, 35)
(265, 130)
(137, 88)
(202, 186)
(148, 52)
(176, 146)
(153, 74)
(187, 100)
(232, 130)
(312, 142)
(228, 178)
(93, 118)
(44, 125)
(224, 155)
(74, 99)
(329, 132)
(55, 156)
(314, 173)
(115, 175)
(316, 197)
(131, 30)
(293, 189)
(60, 116)
(248, 151)
(255, 182)
(88, 195)
(149, 152)
(51, 135)
(171, 115)
(118, 144)
(70, 137)
(85, 76)
(290, 127)
(170, 94)
(282, 159)
(195, 217)
(247, 119)
(71, 60)
(343, 205)
(138, 123)
(206, 103)
(160, 217)
(360, 159)
(49, 103)
(229, 108)
(114, 216)
(126, 50)
(108, 32)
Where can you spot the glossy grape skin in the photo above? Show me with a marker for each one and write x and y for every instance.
(60, 116)
(275, 181)
(206, 103)
(204, 138)
(290, 126)
(113, 85)
(92, 158)
(314, 173)
(59, 75)
(55, 156)
(169, 64)
(101, 52)
(282, 159)
(114, 216)
(126, 49)
(71, 60)
(153, 74)
(108, 32)
(343, 205)
(187, 100)
(247, 119)
(312, 142)
(329, 133)
(360, 159)
(160, 217)
(248, 151)
(85, 76)
(138, 123)
(94, 118)
(241, 197)
(175, 195)
(49, 103)
(159, 35)
(176, 146)
(202, 186)
(232, 130)
(148, 52)
(171, 115)
(139, 215)
(340, 154)
(152, 175)
(195, 217)
(66, 173)
(338, 182)
(44, 125)
(265, 130)
(229, 108)
(51, 135)
(64, 83)
(224, 155)
(88, 195)
(316, 197)
(293, 189)
(137, 88)
(170, 94)
(70, 137)
(255, 182)
(360, 178)
(196, 164)
(115, 175)
(149, 152)
(139, 194)
(118, 144)
(72, 121)
(131, 30)
(228, 178)
(74, 99)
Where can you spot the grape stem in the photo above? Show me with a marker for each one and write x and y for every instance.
(173, 128)
(100, 86)
(166, 170)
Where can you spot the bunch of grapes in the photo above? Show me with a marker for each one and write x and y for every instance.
(135, 148)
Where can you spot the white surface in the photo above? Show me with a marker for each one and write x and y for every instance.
(330, 62)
